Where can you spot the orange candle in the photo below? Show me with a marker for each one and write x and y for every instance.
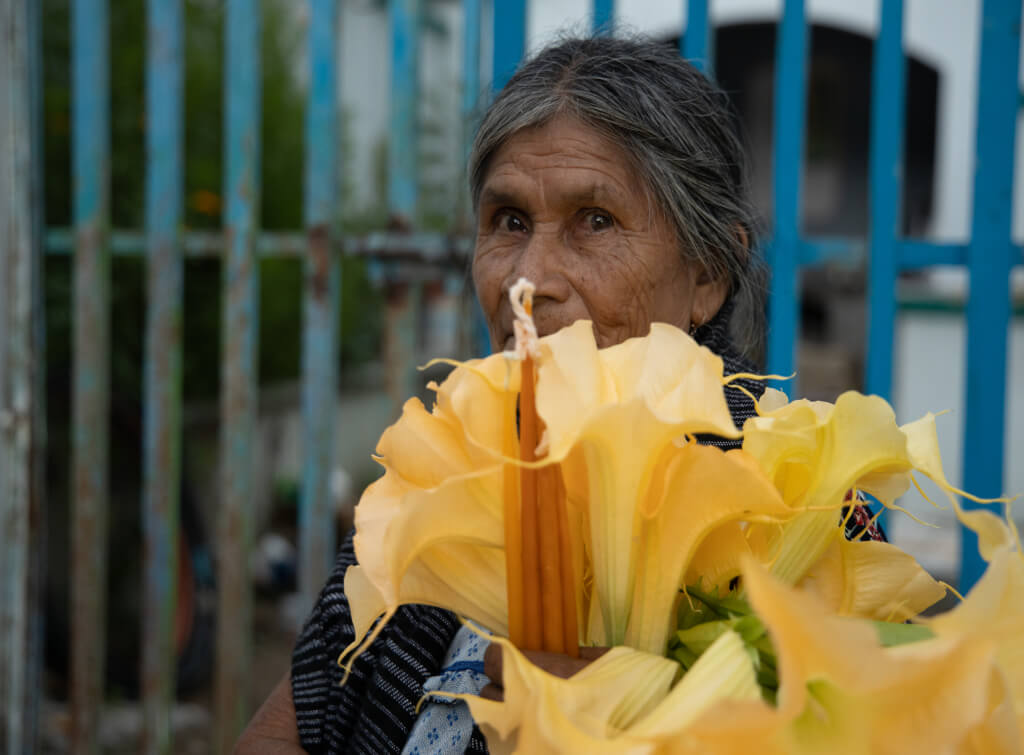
(541, 585)
(548, 482)
(570, 626)
(513, 528)
(528, 438)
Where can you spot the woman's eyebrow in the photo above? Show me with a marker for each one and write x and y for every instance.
(592, 194)
(498, 196)
(584, 195)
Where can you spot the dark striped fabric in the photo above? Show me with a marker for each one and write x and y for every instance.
(714, 334)
(374, 711)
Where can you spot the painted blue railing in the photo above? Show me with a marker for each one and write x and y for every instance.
(988, 256)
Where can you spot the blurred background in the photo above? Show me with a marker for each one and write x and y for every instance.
(403, 86)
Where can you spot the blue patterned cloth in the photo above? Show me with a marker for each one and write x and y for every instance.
(444, 725)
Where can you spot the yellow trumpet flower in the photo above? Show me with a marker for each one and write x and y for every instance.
(842, 692)
(651, 512)
(431, 529)
(624, 702)
(814, 453)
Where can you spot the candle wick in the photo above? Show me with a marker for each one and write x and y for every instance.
(521, 297)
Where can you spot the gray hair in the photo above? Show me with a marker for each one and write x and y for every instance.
(678, 129)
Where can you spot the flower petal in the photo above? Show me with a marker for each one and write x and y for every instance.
(590, 712)
(719, 556)
(815, 454)
(678, 381)
(442, 546)
(723, 672)
(621, 703)
(612, 465)
(702, 487)
(994, 610)
(844, 693)
(871, 580)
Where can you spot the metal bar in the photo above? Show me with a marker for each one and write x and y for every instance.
(604, 16)
(38, 541)
(698, 41)
(470, 105)
(509, 19)
(989, 257)
(402, 146)
(90, 135)
(912, 254)
(840, 251)
(470, 59)
(322, 297)
(22, 426)
(162, 386)
(402, 315)
(886, 182)
(790, 108)
(470, 71)
(427, 246)
(238, 365)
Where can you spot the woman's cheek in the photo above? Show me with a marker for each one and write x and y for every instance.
(490, 269)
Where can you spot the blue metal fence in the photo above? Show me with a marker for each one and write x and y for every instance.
(90, 151)
(162, 380)
(989, 257)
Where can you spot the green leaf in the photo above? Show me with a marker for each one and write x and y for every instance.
(891, 634)
(699, 638)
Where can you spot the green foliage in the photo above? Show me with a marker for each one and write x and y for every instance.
(706, 616)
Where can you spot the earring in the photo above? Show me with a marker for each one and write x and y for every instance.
(693, 328)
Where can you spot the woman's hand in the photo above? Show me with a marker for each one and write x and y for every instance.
(273, 730)
(554, 663)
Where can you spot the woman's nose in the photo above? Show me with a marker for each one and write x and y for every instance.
(540, 263)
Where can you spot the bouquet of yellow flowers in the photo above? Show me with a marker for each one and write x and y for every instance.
(556, 496)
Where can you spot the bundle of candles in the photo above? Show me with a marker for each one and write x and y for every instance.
(541, 584)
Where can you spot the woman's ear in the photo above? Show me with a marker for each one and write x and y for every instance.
(711, 291)
(708, 296)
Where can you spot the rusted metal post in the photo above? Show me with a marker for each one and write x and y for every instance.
(404, 303)
(22, 426)
(322, 296)
(90, 133)
(238, 363)
(162, 409)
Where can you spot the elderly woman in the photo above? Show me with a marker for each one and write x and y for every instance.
(610, 174)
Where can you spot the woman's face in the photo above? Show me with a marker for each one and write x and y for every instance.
(562, 207)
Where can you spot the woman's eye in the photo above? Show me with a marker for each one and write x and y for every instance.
(599, 221)
(509, 221)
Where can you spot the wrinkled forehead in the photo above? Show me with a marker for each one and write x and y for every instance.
(590, 165)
